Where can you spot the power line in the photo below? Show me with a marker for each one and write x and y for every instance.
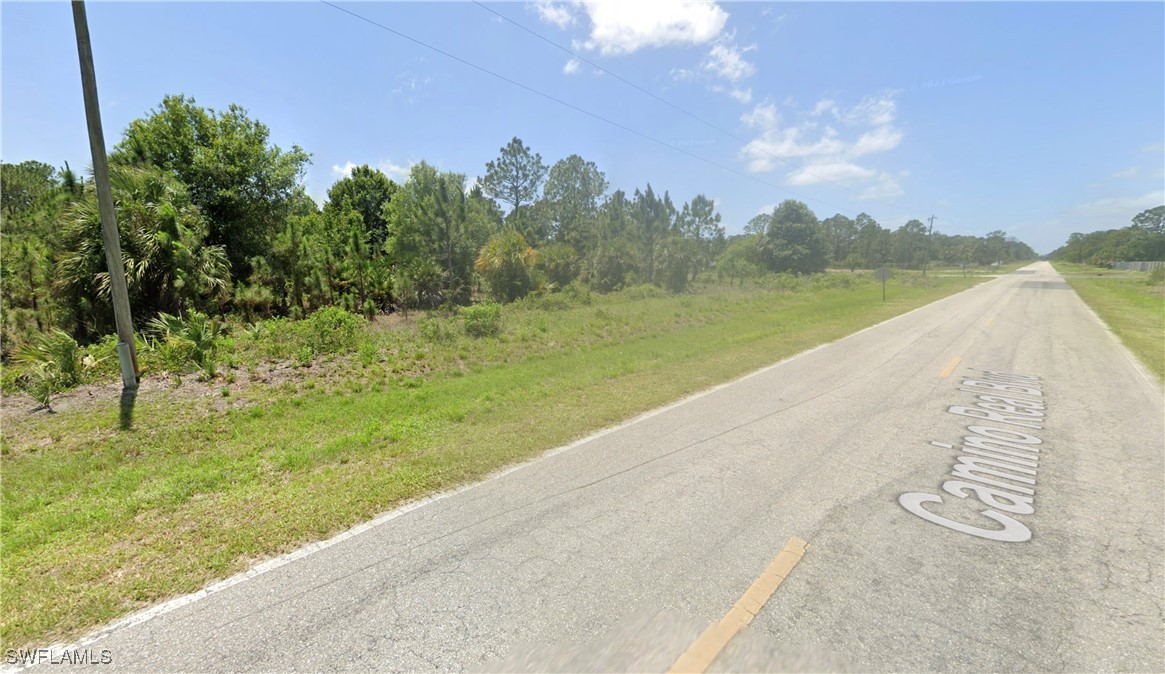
(572, 106)
(668, 103)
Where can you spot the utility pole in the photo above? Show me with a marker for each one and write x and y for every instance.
(126, 349)
(926, 258)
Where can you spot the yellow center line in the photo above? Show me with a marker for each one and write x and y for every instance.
(950, 367)
(708, 645)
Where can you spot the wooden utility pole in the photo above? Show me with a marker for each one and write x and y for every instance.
(926, 258)
(126, 349)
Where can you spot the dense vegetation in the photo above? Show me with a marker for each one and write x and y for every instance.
(214, 220)
(1143, 240)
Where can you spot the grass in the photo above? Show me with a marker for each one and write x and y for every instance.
(1132, 307)
(99, 522)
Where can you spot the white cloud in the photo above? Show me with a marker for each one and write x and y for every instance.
(343, 171)
(1130, 172)
(879, 140)
(621, 27)
(765, 152)
(818, 153)
(558, 14)
(764, 117)
(725, 60)
(837, 172)
(1155, 147)
(681, 74)
(1118, 211)
(397, 172)
(886, 188)
(394, 171)
(823, 106)
(872, 111)
(571, 67)
(742, 95)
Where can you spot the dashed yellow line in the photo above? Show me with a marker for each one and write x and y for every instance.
(708, 645)
(950, 367)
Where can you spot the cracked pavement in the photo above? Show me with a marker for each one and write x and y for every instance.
(615, 553)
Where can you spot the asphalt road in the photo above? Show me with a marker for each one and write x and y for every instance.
(616, 553)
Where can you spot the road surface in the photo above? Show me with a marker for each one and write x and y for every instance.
(618, 552)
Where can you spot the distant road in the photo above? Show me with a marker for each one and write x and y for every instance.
(618, 552)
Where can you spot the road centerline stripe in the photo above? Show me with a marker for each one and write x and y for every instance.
(950, 367)
(700, 654)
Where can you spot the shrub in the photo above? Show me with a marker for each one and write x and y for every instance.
(578, 293)
(54, 365)
(482, 320)
(331, 330)
(506, 262)
(559, 263)
(195, 338)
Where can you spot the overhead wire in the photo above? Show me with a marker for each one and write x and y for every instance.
(574, 107)
(726, 132)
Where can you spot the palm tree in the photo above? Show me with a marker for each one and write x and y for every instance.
(168, 269)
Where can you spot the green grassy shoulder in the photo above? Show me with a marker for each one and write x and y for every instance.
(211, 477)
(1132, 306)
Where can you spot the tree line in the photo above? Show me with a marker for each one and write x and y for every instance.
(214, 218)
(1143, 240)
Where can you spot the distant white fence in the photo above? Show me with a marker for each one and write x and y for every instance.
(1138, 266)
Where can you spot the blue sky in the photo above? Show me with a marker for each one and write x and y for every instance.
(1039, 119)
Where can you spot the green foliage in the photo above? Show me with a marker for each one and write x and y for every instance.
(679, 258)
(1156, 277)
(52, 364)
(609, 267)
(366, 191)
(213, 218)
(435, 329)
(482, 320)
(558, 262)
(42, 382)
(793, 240)
(516, 176)
(59, 355)
(506, 262)
(432, 220)
(573, 189)
(331, 330)
(23, 185)
(191, 339)
(168, 266)
(740, 259)
(1143, 240)
(237, 178)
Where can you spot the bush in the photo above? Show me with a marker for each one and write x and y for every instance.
(482, 320)
(559, 263)
(507, 264)
(54, 365)
(195, 338)
(331, 330)
(578, 293)
(56, 351)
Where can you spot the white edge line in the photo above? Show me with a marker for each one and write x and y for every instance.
(56, 650)
(1140, 367)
